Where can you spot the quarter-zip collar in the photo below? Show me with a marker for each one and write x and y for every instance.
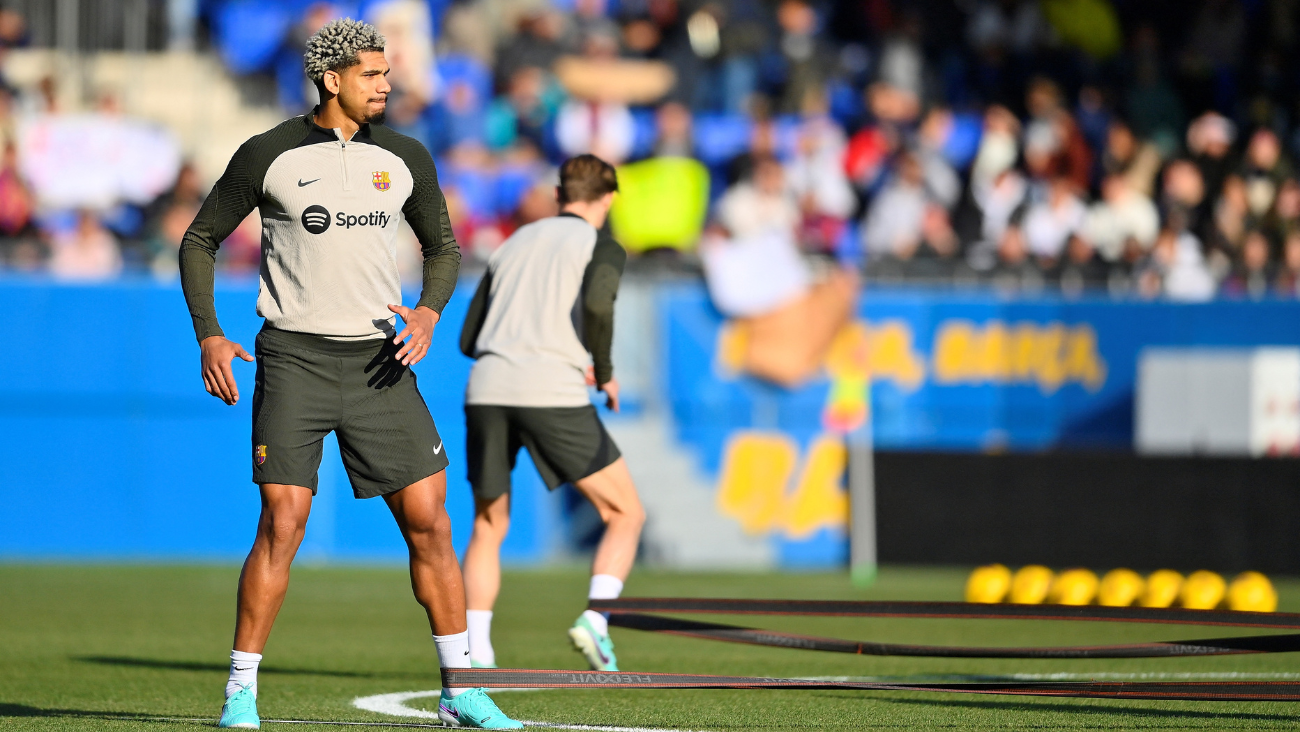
(335, 134)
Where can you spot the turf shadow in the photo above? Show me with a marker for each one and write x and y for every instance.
(994, 704)
(157, 663)
(22, 710)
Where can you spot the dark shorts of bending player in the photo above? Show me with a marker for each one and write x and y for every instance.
(567, 444)
(309, 385)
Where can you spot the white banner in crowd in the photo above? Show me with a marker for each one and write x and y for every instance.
(96, 161)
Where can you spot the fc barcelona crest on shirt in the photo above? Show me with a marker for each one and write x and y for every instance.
(381, 181)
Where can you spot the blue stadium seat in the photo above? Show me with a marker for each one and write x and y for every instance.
(964, 142)
(512, 183)
(721, 137)
(249, 33)
(646, 132)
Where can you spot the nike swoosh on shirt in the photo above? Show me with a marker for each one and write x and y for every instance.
(301, 184)
(438, 451)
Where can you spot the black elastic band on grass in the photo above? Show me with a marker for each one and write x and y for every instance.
(631, 613)
(753, 636)
(951, 610)
(505, 678)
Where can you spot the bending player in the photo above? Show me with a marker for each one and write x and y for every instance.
(332, 187)
(545, 303)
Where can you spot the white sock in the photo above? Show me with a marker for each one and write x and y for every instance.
(480, 637)
(243, 672)
(453, 652)
(603, 587)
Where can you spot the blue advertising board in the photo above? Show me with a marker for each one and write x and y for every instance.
(948, 371)
(110, 447)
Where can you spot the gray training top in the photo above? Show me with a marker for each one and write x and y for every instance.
(330, 213)
(546, 300)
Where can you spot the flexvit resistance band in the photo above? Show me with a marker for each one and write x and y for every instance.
(505, 678)
(631, 613)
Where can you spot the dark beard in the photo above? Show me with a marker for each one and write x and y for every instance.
(378, 118)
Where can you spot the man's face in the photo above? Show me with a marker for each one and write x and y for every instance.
(362, 89)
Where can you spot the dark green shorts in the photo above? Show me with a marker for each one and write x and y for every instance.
(308, 386)
(566, 444)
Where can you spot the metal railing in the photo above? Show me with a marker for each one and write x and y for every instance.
(99, 25)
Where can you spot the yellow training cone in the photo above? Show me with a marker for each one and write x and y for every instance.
(1120, 588)
(1202, 590)
(1251, 591)
(1073, 587)
(1162, 589)
(1030, 584)
(988, 584)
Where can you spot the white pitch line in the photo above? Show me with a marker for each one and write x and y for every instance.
(395, 705)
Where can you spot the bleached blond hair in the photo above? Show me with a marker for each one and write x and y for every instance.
(338, 46)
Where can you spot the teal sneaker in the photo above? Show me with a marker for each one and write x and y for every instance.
(597, 647)
(240, 711)
(474, 709)
(476, 664)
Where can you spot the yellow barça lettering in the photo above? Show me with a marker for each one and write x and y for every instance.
(881, 352)
(1048, 354)
(754, 485)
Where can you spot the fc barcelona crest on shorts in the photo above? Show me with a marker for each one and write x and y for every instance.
(380, 179)
(259, 454)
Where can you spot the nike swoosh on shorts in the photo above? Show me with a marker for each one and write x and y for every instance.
(301, 184)
(438, 450)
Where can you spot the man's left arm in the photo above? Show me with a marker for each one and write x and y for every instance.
(426, 213)
(599, 290)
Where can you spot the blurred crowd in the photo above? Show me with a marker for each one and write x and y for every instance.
(1138, 147)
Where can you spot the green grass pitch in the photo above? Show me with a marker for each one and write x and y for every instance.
(113, 648)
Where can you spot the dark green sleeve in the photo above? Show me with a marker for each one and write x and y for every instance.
(476, 315)
(233, 197)
(599, 289)
(426, 213)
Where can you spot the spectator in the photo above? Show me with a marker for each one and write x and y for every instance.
(1285, 216)
(1059, 147)
(999, 201)
(815, 175)
(85, 252)
(525, 111)
(806, 61)
(1263, 170)
(1209, 140)
(164, 244)
(1137, 160)
(1184, 197)
(1176, 269)
(999, 146)
(16, 204)
(1050, 223)
(673, 125)
(893, 227)
(1081, 268)
(1252, 273)
(604, 128)
(1124, 223)
(1014, 269)
(1232, 219)
(763, 203)
(1287, 282)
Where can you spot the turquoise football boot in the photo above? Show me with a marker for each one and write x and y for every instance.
(476, 664)
(240, 711)
(473, 709)
(597, 647)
